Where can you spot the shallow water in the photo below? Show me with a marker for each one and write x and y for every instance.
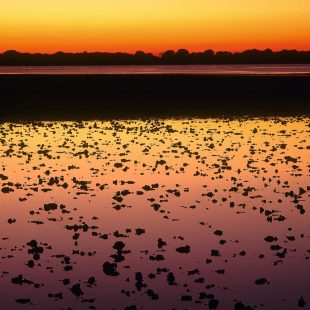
(303, 69)
(157, 214)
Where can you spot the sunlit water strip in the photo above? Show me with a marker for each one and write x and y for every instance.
(160, 69)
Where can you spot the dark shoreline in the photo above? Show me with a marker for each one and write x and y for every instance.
(85, 97)
(169, 57)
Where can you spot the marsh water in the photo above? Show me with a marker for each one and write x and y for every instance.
(299, 69)
(155, 214)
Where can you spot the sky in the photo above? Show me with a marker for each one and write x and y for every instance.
(153, 26)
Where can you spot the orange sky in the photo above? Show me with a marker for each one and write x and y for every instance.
(153, 26)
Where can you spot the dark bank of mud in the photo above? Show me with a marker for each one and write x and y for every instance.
(89, 97)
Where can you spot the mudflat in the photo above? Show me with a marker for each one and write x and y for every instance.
(87, 97)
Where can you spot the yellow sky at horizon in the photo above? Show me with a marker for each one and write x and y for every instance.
(153, 26)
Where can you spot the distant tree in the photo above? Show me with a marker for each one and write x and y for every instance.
(11, 53)
(209, 53)
(182, 53)
(182, 56)
(139, 54)
(223, 57)
(168, 56)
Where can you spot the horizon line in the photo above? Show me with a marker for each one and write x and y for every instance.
(158, 54)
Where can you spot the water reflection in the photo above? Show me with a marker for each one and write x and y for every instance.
(298, 69)
(177, 214)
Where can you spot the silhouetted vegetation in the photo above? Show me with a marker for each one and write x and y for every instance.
(170, 57)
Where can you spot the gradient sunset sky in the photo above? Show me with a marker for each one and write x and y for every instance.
(153, 26)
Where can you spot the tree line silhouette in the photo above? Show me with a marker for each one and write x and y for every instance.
(170, 57)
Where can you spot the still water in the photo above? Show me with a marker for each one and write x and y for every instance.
(183, 69)
(155, 214)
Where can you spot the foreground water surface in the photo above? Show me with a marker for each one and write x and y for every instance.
(155, 214)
